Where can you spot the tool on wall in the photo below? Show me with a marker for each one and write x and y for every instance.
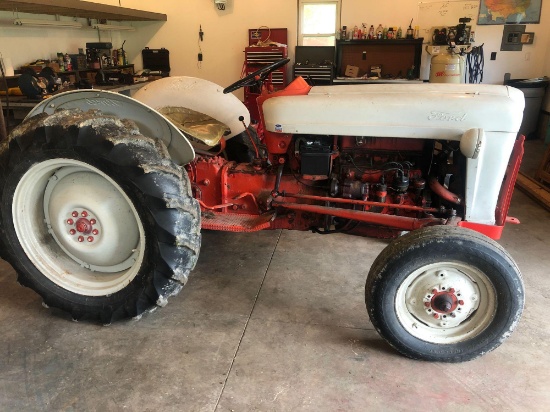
(220, 4)
(201, 38)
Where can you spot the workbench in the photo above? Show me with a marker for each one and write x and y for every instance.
(20, 106)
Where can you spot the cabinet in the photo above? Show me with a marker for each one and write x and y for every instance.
(315, 75)
(315, 64)
(396, 57)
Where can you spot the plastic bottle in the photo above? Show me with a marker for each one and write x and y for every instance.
(68, 63)
(399, 33)
(416, 32)
(355, 33)
(61, 62)
(371, 32)
(385, 34)
(344, 35)
(379, 32)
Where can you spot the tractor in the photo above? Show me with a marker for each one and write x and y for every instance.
(104, 196)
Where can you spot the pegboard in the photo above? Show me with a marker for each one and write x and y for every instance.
(395, 61)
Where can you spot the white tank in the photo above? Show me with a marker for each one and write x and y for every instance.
(447, 68)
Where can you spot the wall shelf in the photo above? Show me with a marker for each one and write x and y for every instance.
(396, 56)
(80, 9)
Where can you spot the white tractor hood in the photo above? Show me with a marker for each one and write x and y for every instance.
(436, 111)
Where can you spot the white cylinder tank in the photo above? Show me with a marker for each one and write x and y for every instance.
(447, 68)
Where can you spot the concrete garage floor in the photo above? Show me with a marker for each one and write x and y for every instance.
(270, 321)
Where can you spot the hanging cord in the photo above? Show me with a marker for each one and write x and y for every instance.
(199, 40)
(475, 62)
(267, 41)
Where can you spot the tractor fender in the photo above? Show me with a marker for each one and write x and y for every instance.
(150, 122)
(199, 95)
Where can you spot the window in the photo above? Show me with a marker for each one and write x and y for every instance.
(318, 20)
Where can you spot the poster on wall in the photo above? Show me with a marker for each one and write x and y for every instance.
(509, 12)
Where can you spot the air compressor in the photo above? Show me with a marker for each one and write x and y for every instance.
(447, 64)
(448, 49)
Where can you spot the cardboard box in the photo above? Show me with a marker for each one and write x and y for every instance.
(352, 71)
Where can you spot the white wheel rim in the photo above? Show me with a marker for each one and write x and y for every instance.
(78, 227)
(446, 303)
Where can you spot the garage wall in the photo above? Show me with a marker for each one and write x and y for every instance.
(226, 35)
(533, 61)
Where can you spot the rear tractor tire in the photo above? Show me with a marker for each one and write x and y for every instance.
(96, 218)
(444, 294)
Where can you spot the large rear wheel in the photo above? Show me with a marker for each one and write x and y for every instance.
(444, 294)
(96, 218)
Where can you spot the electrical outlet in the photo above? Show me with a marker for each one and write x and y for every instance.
(200, 57)
(493, 55)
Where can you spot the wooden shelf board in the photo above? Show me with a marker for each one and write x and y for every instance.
(81, 9)
(534, 189)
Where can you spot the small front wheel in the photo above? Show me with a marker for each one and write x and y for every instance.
(444, 294)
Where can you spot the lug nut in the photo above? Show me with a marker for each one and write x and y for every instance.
(74, 214)
(70, 221)
(452, 290)
(93, 221)
(84, 213)
(427, 304)
(434, 291)
(81, 238)
(90, 238)
(95, 232)
(436, 315)
(72, 232)
(461, 302)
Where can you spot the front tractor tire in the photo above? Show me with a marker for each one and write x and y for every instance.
(96, 218)
(444, 294)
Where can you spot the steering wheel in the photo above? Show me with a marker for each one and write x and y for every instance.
(251, 78)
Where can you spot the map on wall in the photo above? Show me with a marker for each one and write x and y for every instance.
(509, 11)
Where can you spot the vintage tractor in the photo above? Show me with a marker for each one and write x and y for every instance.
(104, 196)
